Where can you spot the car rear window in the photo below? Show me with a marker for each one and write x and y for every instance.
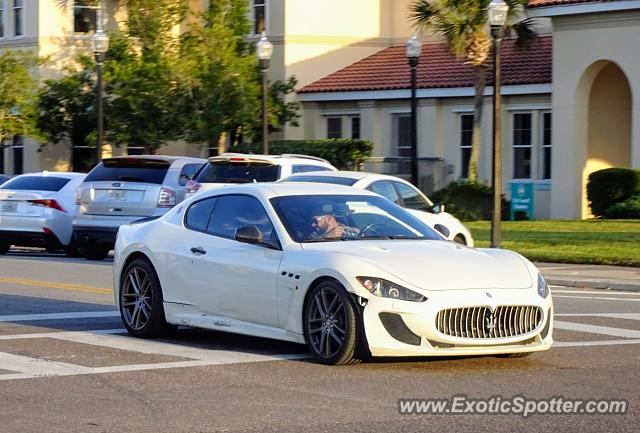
(36, 183)
(322, 179)
(129, 170)
(238, 172)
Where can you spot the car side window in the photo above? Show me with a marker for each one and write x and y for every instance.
(235, 211)
(411, 198)
(199, 213)
(385, 189)
(188, 172)
(306, 168)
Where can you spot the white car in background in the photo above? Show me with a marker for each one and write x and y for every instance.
(233, 168)
(250, 260)
(37, 209)
(398, 191)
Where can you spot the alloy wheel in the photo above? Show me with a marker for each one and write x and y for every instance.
(326, 323)
(136, 298)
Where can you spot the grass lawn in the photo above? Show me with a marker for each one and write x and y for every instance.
(610, 242)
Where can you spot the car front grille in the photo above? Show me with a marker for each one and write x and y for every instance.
(483, 322)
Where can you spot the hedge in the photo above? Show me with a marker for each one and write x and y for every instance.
(469, 201)
(610, 186)
(628, 209)
(343, 153)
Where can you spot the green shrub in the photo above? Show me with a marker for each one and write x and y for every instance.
(610, 186)
(469, 201)
(628, 209)
(344, 153)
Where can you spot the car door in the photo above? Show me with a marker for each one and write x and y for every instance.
(232, 278)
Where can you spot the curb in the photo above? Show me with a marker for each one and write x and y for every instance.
(594, 284)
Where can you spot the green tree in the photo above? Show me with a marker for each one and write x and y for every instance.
(463, 25)
(66, 106)
(18, 94)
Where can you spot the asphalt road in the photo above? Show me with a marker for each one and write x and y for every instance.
(67, 366)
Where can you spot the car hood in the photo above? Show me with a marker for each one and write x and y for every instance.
(437, 265)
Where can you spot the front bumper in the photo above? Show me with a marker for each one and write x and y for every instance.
(402, 328)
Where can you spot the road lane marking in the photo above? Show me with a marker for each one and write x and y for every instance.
(594, 329)
(55, 285)
(36, 366)
(58, 316)
(630, 316)
(593, 343)
(597, 292)
(597, 297)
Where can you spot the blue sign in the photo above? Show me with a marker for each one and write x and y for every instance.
(522, 199)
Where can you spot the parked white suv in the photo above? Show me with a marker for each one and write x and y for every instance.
(124, 189)
(233, 168)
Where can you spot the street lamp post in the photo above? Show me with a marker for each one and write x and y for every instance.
(497, 12)
(264, 50)
(100, 44)
(414, 49)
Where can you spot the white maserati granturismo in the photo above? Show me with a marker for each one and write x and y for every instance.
(345, 271)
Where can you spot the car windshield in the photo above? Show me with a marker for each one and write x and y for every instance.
(36, 183)
(238, 172)
(326, 218)
(130, 170)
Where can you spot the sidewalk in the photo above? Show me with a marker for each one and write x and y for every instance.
(591, 276)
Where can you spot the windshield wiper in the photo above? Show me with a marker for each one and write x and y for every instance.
(418, 238)
(308, 241)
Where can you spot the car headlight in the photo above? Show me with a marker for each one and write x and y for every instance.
(543, 287)
(387, 289)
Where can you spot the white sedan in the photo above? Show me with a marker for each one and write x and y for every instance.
(398, 191)
(345, 271)
(37, 210)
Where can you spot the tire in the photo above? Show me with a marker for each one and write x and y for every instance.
(332, 328)
(93, 252)
(141, 295)
(517, 355)
(71, 250)
(4, 248)
(460, 240)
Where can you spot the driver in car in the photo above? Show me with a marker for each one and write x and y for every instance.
(325, 226)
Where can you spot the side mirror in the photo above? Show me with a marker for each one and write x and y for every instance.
(443, 230)
(439, 208)
(249, 235)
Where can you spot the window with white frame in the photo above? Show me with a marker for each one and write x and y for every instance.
(402, 134)
(522, 145)
(466, 132)
(3, 16)
(546, 145)
(334, 127)
(355, 127)
(18, 17)
(259, 12)
(85, 16)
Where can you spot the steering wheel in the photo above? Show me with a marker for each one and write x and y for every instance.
(367, 228)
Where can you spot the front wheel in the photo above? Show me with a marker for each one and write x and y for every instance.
(141, 301)
(93, 252)
(331, 324)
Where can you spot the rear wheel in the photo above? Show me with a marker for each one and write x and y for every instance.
(93, 252)
(4, 248)
(331, 325)
(71, 250)
(141, 300)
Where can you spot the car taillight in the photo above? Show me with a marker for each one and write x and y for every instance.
(192, 186)
(48, 202)
(78, 196)
(167, 198)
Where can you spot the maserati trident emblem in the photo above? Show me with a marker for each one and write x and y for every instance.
(490, 321)
(488, 295)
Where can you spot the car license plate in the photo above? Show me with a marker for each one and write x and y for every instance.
(9, 206)
(117, 195)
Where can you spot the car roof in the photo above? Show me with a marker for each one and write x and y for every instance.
(64, 174)
(289, 157)
(166, 158)
(357, 175)
(275, 189)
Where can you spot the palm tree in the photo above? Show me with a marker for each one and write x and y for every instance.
(463, 25)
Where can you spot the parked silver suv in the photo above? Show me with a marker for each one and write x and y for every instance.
(121, 190)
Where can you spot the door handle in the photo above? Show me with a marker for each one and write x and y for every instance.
(198, 250)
